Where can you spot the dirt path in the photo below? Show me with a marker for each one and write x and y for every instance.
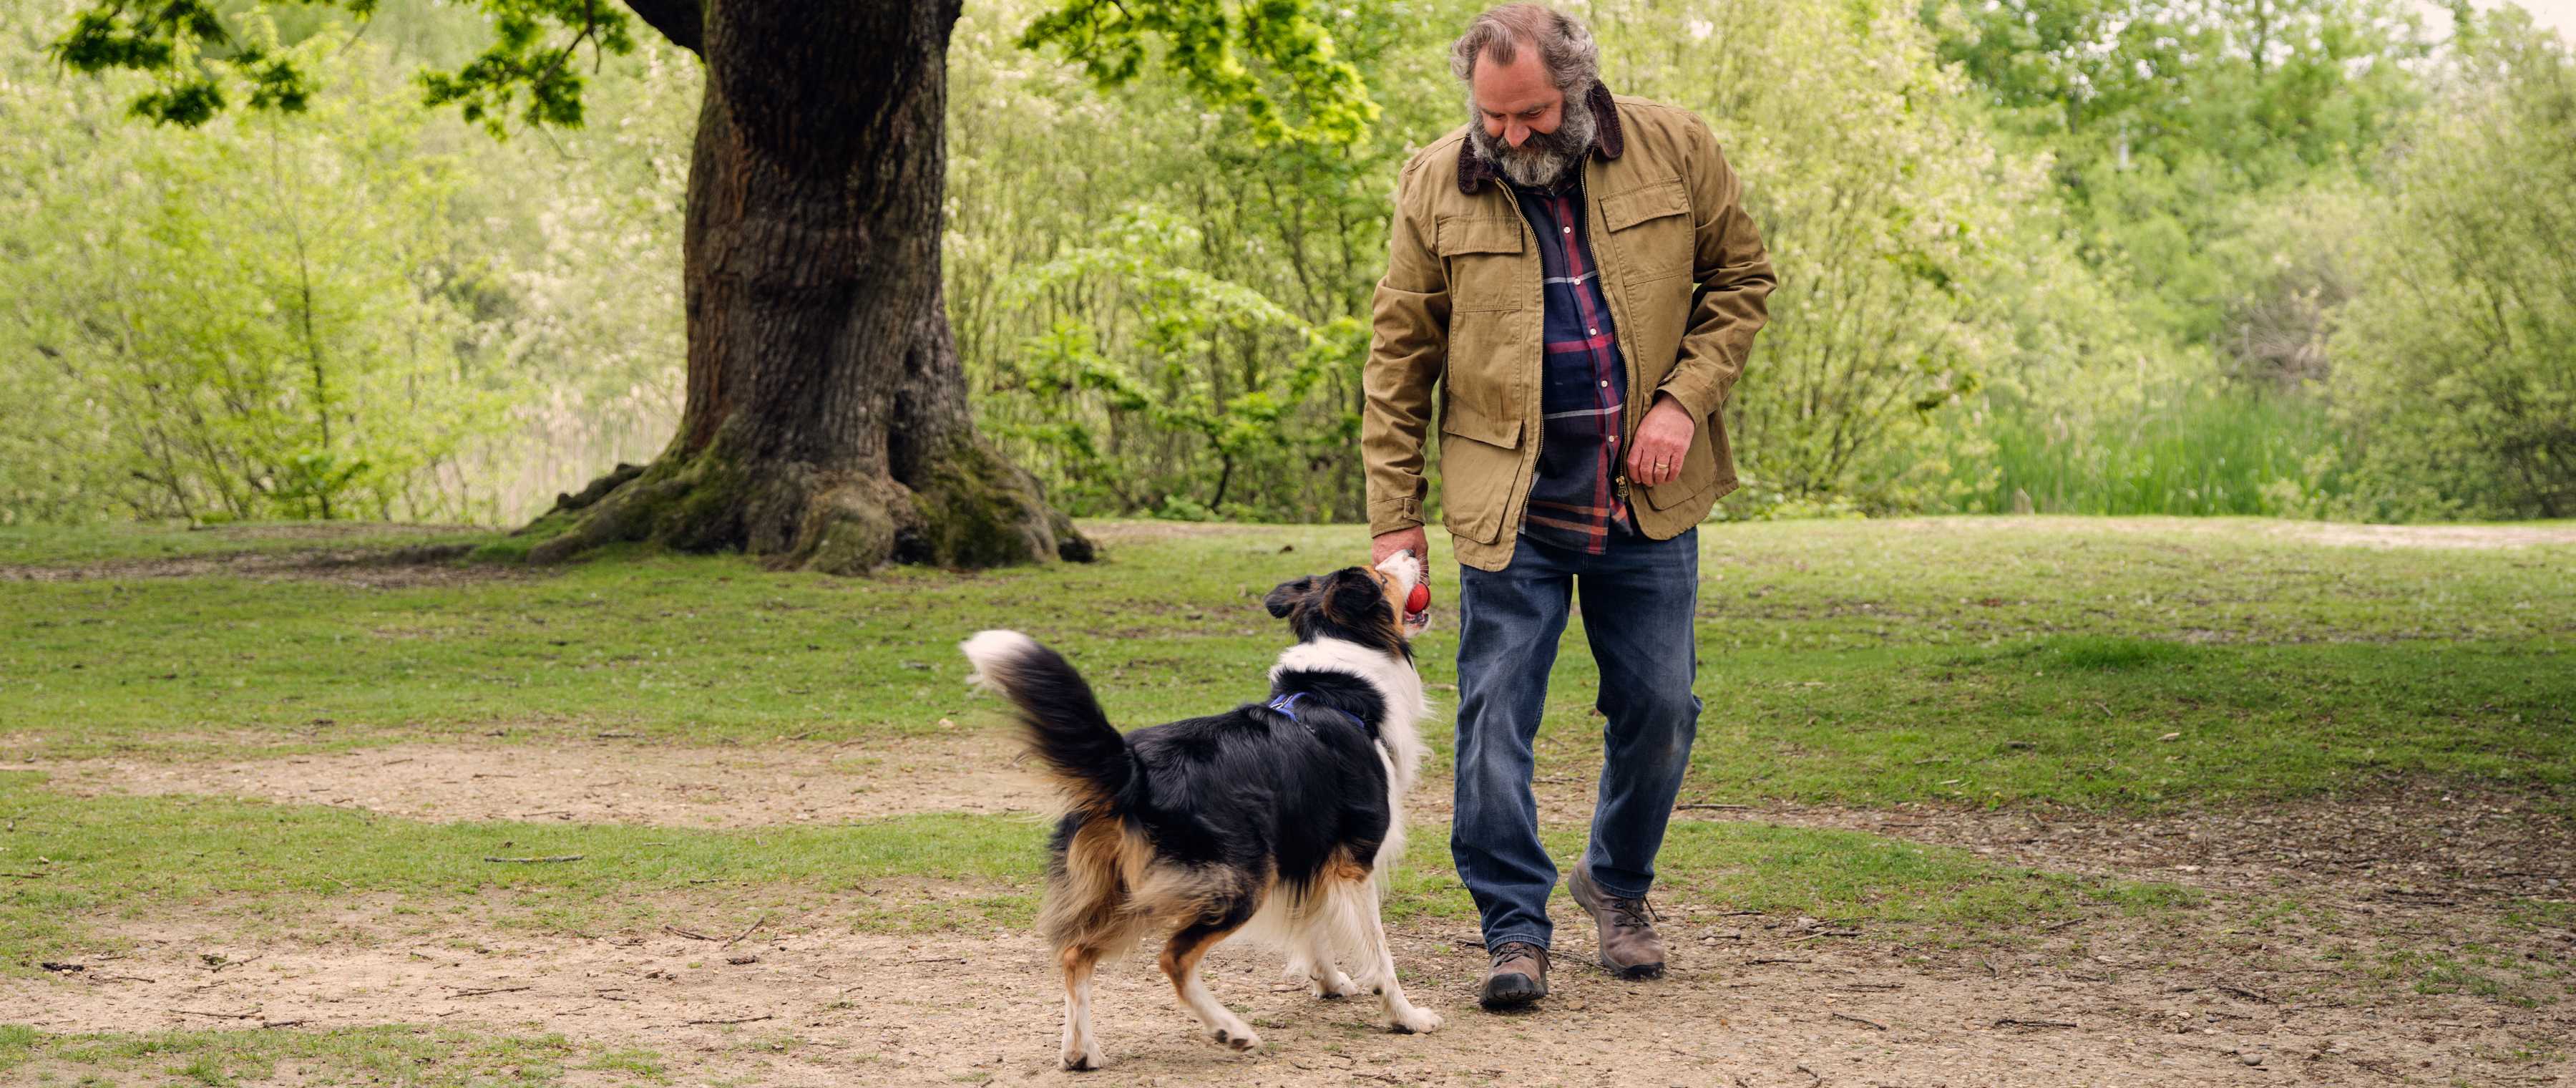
(605, 782)
(1751, 1001)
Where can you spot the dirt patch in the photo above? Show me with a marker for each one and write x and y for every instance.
(607, 782)
(1749, 1001)
(1121, 532)
(2416, 844)
(399, 568)
(2429, 536)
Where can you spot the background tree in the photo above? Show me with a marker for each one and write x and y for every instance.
(826, 421)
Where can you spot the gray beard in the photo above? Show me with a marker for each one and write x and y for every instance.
(1546, 156)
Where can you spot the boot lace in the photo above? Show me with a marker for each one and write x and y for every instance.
(1634, 913)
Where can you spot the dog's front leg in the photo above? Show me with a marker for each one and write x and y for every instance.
(1377, 963)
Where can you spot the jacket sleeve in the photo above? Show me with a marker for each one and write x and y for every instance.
(1408, 350)
(1735, 280)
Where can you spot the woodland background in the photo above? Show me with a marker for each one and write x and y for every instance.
(2305, 258)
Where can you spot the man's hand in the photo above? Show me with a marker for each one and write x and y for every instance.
(1662, 437)
(1389, 543)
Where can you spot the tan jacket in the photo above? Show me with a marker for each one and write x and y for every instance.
(1457, 321)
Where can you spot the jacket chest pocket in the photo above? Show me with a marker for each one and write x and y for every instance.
(1650, 231)
(1483, 256)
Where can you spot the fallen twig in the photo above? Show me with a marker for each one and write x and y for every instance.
(538, 861)
(1860, 1020)
(219, 1015)
(1821, 934)
(688, 933)
(742, 1020)
(2053, 927)
(2247, 992)
(1718, 808)
(756, 924)
(2009, 1022)
(955, 959)
(1774, 959)
(279, 1023)
(491, 990)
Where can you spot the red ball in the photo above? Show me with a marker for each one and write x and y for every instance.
(1419, 599)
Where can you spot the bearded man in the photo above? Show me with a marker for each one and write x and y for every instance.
(1572, 280)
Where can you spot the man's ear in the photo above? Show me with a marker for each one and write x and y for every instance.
(1285, 596)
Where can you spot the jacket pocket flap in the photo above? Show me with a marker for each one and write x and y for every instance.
(1653, 200)
(1458, 234)
(1466, 422)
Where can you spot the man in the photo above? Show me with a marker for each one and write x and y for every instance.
(1572, 280)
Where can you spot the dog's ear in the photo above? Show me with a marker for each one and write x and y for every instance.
(1285, 596)
(1355, 591)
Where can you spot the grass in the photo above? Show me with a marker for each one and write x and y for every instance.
(2115, 664)
(2200, 453)
(412, 1055)
(282, 866)
(1871, 663)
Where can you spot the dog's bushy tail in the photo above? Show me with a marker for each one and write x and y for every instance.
(1066, 729)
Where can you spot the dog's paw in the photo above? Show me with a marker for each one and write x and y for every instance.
(1413, 1022)
(1238, 1036)
(1331, 986)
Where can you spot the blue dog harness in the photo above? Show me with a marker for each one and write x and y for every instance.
(1287, 704)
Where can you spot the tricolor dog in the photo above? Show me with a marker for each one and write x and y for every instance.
(1269, 820)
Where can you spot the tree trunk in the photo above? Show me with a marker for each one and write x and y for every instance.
(826, 423)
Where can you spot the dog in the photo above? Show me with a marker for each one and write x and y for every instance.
(1271, 821)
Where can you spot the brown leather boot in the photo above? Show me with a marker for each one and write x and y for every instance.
(1630, 947)
(1518, 976)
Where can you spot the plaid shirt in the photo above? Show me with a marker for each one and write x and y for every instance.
(1574, 502)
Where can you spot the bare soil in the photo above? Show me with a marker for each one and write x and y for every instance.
(363, 568)
(1750, 1001)
(606, 782)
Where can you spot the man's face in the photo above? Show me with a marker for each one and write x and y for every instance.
(1515, 100)
(1521, 123)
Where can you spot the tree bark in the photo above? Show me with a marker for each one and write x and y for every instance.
(826, 422)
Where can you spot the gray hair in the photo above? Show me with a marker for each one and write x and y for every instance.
(1565, 48)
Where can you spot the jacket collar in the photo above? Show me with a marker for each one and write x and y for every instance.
(1474, 171)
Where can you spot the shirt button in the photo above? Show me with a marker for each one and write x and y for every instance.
(1592, 332)
(1568, 230)
(1605, 385)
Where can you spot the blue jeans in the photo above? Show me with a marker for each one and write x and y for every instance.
(1638, 599)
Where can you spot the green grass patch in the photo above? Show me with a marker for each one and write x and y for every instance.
(1864, 662)
(1920, 892)
(106, 857)
(419, 1056)
(2124, 723)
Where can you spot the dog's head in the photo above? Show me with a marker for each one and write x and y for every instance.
(1356, 604)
